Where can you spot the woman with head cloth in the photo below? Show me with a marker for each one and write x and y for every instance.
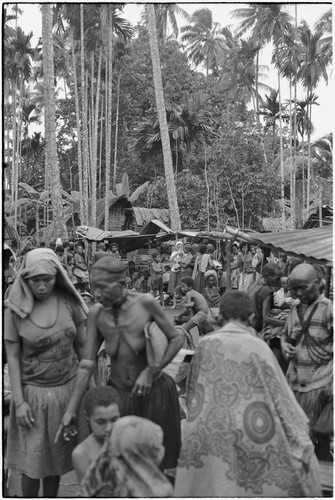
(245, 434)
(44, 336)
(128, 465)
(175, 261)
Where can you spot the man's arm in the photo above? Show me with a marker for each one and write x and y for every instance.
(85, 369)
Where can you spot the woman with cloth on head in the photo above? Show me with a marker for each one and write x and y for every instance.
(128, 464)
(245, 434)
(175, 261)
(44, 334)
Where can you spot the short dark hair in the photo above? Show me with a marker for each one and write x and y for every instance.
(202, 248)
(154, 255)
(100, 396)
(271, 269)
(236, 305)
(188, 281)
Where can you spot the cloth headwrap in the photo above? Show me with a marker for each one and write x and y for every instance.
(35, 262)
(128, 463)
(179, 243)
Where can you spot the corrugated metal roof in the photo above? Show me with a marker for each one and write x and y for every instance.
(92, 233)
(96, 234)
(315, 244)
(155, 226)
(145, 215)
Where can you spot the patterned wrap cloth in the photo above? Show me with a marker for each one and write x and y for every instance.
(245, 434)
(128, 464)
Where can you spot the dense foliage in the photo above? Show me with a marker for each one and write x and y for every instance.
(229, 145)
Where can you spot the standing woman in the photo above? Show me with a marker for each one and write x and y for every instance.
(81, 269)
(44, 336)
(175, 260)
(203, 263)
(187, 262)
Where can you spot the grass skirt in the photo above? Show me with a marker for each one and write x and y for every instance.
(33, 451)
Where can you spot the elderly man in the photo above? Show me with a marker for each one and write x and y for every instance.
(308, 343)
(119, 318)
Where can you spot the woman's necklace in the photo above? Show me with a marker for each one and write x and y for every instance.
(115, 309)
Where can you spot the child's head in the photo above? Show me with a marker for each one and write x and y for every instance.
(187, 248)
(156, 256)
(187, 284)
(284, 283)
(70, 260)
(102, 409)
(60, 250)
(272, 274)
(202, 249)
(114, 247)
(101, 247)
(235, 305)
(211, 281)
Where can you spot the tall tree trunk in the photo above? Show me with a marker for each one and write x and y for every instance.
(308, 190)
(282, 193)
(95, 144)
(78, 120)
(116, 128)
(51, 156)
(109, 83)
(161, 111)
(84, 117)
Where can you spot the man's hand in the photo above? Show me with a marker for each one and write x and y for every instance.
(67, 428)
(24, 415)
(288, 350)
(144, 381)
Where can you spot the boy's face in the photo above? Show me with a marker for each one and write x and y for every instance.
(211, 281)
(185, 288)
(102, 420)
(114, 248)
(158, 258)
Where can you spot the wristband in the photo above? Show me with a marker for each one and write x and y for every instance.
(20, 404)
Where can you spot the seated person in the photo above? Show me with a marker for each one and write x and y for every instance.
(212, 295)
(102, 410)
(138, 282)
(195, 303)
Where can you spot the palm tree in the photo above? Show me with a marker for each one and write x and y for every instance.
(269, 109)
(166, 12)
(170, 181)
(50, 121)
(203, 39)
(313, 68)
(186, 127)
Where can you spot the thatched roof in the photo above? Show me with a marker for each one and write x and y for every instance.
(100, 203)
(144, 215)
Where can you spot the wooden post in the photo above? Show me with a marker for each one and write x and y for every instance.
(328, 278)
(228, 259)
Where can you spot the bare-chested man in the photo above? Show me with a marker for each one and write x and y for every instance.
(119, 319)
(196, 303)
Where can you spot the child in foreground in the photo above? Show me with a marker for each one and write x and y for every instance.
(196, 303)
(102, 409)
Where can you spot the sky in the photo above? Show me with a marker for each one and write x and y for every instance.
(322, 115)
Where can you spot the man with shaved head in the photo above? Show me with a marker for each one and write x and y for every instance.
(308, 343)
(119, 318)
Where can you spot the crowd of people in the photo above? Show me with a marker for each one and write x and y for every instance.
(258, 375)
